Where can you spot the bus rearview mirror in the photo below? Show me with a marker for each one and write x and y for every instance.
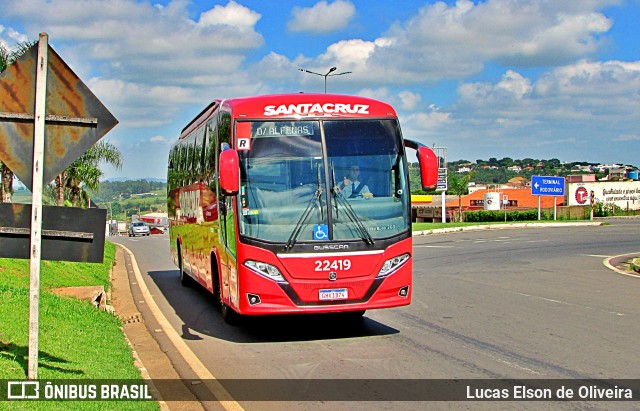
(428, 167)
(229, 172)
(428, 164)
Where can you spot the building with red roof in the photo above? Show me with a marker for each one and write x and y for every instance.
(518, 198)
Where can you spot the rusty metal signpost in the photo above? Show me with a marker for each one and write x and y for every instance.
(48, 118)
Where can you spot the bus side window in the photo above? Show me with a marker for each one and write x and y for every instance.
(211, 155)
(228, 225)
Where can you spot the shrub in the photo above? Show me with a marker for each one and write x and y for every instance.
(484, 216)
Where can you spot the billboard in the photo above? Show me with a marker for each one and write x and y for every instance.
(624, 194)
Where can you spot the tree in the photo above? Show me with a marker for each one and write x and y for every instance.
(84, 172)
(7, 58)
(506, 162)
(459, 185)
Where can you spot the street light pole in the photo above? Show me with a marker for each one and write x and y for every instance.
(329, 73)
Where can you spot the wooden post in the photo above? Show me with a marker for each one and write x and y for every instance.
(36, 204)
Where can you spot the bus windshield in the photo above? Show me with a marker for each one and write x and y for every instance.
(328, 180)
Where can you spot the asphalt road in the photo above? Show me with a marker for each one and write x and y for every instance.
(505, 304)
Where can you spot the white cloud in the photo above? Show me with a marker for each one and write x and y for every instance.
(13, 37)
(322, 18)
(592, 78)
(142, 43)
(409, 100)
(512, 86)
(156, 65)
(159, 139)
(233, 14)
(455, 41)
(139, 105)
(627, 137)
(589, 108)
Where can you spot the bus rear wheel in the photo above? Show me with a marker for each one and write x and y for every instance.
(185, 279)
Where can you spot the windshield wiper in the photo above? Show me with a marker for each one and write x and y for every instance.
(338, 198)
(317, 199)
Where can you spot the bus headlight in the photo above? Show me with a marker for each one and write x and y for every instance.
(392, 264)
(265, 270)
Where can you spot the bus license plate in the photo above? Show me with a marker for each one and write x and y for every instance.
(334, 294)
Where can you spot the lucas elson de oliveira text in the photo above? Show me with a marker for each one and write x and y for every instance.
(522, 392)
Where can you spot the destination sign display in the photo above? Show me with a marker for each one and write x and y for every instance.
(276, 130)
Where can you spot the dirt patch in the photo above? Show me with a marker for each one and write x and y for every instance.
(93, 294)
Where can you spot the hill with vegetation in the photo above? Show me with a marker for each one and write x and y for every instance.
(124, 198)
(494, 171)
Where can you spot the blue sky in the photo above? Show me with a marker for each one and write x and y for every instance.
(495, 78)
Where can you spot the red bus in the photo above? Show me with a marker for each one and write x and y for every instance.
(264, 212)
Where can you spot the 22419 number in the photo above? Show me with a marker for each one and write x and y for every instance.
(333, 265)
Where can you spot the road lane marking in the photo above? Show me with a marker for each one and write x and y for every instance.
(508, 363)
(551, 300)
(224, 398)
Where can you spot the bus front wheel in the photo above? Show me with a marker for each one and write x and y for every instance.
(229, 315)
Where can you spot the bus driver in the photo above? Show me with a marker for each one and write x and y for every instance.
(352, 187)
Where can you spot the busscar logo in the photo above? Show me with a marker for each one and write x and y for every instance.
(330, 247)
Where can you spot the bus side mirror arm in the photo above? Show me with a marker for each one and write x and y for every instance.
(229, 172)
(428, 162)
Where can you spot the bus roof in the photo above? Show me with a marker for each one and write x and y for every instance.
(306, 105)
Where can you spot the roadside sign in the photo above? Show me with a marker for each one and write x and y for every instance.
(547, 186)
(75, 118)
(48, 118)
(442, 180)
(68, 233)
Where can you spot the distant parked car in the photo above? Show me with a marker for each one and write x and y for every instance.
(138, 228)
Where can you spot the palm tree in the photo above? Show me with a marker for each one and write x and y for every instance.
(84, 172)
(6, 58)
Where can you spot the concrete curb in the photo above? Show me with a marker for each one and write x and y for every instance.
(158, 358)
(611, 263)
(505, 226)
(149, 357)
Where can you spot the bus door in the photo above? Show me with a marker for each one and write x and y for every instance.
(229, 275)
(228, 254)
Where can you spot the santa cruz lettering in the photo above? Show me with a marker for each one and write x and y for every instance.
(315, 108)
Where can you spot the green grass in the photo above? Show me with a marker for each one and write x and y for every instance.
(76, 340)
(53, 274)
(434, 226)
